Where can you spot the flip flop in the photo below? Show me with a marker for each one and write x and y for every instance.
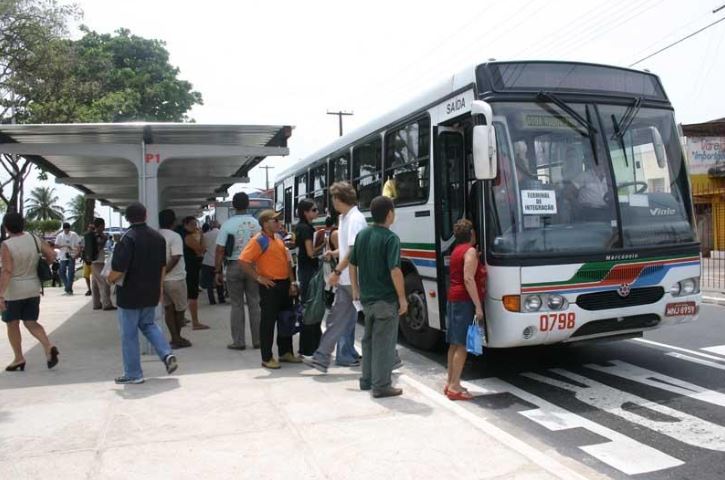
(463, 395)
(201, 326)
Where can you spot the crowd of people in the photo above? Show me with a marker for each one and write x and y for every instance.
(248, 260)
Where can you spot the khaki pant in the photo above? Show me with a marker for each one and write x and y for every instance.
(239, 286)
(100, 288)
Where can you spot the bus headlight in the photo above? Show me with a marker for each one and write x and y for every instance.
(532, 303)
(556, 302)
(688, 286)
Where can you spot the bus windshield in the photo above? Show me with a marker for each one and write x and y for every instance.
(580, 178)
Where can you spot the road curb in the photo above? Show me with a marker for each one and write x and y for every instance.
(541, 459)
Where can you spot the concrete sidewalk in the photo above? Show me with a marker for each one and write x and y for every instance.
(223, 416)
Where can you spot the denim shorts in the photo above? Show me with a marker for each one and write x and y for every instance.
(459, 316)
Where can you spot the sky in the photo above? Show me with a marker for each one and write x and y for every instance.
(290, 62)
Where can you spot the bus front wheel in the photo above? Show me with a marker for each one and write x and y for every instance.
(414, 325)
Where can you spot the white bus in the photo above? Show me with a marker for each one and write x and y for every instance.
(575, 179)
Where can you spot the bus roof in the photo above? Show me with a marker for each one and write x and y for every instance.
(452, 84)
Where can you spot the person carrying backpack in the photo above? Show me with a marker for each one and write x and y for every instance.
(277, 286)
(231, 240)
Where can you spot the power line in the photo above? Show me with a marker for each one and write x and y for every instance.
(678, 41)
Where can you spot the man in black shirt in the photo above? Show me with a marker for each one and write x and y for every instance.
(137, 267)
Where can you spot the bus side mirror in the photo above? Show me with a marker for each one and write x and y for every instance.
(659, 147)
(484, 152)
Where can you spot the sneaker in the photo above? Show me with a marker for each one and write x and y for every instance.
(110, 308)
(387, 392)
(354, 363)
(124, 380)
(289, 358)
(319, 366)
(272, 364)
(234, 346)
(171, 364)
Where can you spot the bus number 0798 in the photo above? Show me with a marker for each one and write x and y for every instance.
(559, 321)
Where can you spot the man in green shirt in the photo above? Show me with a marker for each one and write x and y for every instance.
(379, 286)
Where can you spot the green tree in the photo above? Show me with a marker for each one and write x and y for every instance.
(41, 227)
(76, 213)
(28, 30)
(108, 78)
(42, 204)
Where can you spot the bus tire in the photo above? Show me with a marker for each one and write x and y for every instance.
(414, 325)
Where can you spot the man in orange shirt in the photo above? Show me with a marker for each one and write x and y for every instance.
(265, 258)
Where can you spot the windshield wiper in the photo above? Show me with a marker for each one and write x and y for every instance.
(585, 122)
(574, 114)
(621, 127)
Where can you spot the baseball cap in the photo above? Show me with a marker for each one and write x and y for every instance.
(266, 215)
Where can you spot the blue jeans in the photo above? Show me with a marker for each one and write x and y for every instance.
(346, 353)
(68, 273)
(130, 321)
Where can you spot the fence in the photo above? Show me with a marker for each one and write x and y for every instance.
(709, 202)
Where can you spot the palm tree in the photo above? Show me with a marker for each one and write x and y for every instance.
(42, 204)
(76, 213)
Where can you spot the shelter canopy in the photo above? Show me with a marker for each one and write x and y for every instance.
(163, 165)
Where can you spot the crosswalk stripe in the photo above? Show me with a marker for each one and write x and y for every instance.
(700, 361)
(658, 380)
(621, 452)
(675, 424)
(664, 346)
(717, 349)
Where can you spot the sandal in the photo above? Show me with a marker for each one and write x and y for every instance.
(462, 395)
(201, 326)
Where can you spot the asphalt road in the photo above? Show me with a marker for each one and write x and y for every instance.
(649, 408)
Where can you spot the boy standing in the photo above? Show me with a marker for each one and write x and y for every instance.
(380, 287)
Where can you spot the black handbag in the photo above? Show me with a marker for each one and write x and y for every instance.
(44, 273)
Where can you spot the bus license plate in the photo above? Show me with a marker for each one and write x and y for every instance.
(679, 309)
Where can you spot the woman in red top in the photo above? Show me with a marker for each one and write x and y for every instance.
(465, 300)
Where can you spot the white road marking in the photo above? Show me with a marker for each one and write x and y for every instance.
(661, 381)
(681, 426)
(545, 461)
(700, 361)
(717, 350)
(620, 452)
(664, 346)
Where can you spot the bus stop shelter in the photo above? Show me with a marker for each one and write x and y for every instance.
(162, 165)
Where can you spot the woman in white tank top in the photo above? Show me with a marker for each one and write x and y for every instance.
(20, 289)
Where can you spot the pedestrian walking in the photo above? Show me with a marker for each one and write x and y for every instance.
(377, 282)
(307, 266)
(101, 290)
(341, 320)
(69, 244)
(20, 289)
(87, 259)
(193, 254)
(274, 273)
(465, 301)
(137, 267)
(242, 288)
(208, 265)
(175, 299)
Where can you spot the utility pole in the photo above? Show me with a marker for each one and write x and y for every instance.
(340, 114)
(266, 168)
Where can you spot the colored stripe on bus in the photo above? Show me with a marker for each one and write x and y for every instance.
(637, 273)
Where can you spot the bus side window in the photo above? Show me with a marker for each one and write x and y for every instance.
(366, 166)
(407, 163)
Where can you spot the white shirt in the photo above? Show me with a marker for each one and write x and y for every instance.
(69, 243)
(174, 246)
(352, 223)
(591, 189)
(209, 242)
